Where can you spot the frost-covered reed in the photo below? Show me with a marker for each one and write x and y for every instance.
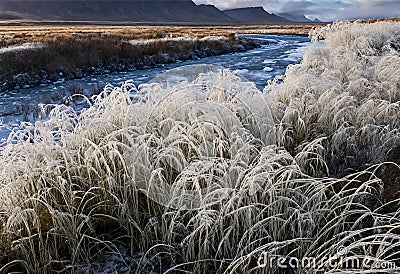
(178, 39)
(24, 46)
(212, 175)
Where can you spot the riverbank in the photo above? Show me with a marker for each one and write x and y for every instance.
(29, 59)
(36, 53)
(271, 58)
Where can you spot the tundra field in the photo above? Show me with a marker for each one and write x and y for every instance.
(36, 54)
(216, 176)
(41, 52)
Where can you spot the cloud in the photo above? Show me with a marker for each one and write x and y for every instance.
(323, 9)
(298, 5)
(329, 10)
(298, 8)
(230, 4)
(370, 9)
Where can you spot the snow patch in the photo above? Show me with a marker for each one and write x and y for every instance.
(214, 38)
(25, 46)
(177, 39)
(268, 61)
(268, 69)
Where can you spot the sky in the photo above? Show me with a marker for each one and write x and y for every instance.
(326, 10)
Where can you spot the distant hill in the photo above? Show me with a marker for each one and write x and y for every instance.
(9, 15)
(255, 16)
(212, 12)
(146, 11)
(295, 18)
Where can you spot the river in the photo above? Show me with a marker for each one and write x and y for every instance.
(259, 65)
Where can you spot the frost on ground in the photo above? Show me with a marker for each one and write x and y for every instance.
(24, 46)
(178, 39)
(207, 174)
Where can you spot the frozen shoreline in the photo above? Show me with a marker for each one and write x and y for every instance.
(146, 54)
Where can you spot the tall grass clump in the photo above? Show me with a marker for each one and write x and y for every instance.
(214, 176)
(345, 91)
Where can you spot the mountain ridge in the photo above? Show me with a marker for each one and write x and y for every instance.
(164, 11)
(137, 11)
(255, 15)
(300, 18)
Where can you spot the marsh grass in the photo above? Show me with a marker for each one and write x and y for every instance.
(300, 170)
(73, 55)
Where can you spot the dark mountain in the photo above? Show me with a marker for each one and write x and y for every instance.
(295, 17)
(255, 16)
(212, 12)
(4, 15)
(145, 11)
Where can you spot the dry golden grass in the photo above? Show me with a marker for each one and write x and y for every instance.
(11, 34)
(370, 21)
(74, 51)
(18, 31)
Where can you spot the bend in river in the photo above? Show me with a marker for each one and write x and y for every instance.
(259, 65)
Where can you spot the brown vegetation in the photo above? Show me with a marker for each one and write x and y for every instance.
(32, 30)
(75, 51)
(370, 21)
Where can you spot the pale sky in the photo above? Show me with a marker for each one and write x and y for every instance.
(328, 10)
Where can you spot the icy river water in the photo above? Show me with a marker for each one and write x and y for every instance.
(259, 65)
